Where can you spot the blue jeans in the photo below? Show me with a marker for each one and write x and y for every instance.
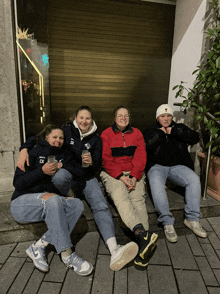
(179, 175)
(59, 214)
(94, 196)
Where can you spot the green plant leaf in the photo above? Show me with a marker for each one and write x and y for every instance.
(185, 103)
(218, 62)
(174, 88)
(209, 144)
(214, 84)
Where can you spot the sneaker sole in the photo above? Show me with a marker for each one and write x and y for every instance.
(200, 235)
(30, 254)
(128, 254)
(150, 246)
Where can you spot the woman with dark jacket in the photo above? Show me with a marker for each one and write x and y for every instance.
(81, 136)
(36, 199)
(168, 158)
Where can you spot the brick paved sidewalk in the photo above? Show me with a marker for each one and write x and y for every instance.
(190, 266)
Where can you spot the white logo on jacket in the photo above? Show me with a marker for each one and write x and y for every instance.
(72, 141)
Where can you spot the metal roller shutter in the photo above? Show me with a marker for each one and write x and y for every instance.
(109, 53)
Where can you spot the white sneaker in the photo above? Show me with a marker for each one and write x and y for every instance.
(78, 265)
(123, 255)
(196, 227)
(170, 233)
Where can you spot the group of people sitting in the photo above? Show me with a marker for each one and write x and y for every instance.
(45, 191)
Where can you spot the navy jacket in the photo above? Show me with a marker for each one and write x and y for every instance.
(169, 150)
(75, 145)
(33, 180)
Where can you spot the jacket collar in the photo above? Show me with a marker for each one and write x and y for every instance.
(128, 128)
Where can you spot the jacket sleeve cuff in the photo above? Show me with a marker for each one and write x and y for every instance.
(118, 177)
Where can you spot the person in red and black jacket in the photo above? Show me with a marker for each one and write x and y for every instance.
(124, 159)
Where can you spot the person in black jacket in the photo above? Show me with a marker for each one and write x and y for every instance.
(168, 158)
(36, 199)
(81, 136)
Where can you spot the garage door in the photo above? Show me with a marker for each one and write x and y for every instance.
(109, 53)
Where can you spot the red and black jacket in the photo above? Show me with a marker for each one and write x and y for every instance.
(123, 151)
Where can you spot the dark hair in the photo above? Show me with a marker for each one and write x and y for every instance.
(119, 107)
(46, 131)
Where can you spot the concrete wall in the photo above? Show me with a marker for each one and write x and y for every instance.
(187, 47)
(9, 120)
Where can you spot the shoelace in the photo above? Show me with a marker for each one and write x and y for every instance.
(75, 260)
(42, 251)
(117, 248)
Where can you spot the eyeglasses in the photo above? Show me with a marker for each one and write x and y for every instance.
(123, 116)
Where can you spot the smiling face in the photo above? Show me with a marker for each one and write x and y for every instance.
(84, 120)
(122, 118)
(55, 138)
(165, 119)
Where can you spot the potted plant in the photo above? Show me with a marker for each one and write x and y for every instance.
(204, 97)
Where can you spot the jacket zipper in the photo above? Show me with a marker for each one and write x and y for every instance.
(123, 139)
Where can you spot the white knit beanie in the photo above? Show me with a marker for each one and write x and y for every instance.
(164, 108)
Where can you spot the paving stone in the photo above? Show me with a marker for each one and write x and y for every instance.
(52, 288)
(215, 223)
(34, 282)
(22, 278)
(137, 281)
(217, 274)
(121, 281)
(161, 280)
(87, 247)
(181, 254)
(213, 290)
(20, 249)
(103, 248)
(214, 240)
(206, 224)
(218, 253)
(77, 284)
(161, 255)
(103, 278)
(206, 271)
(57, 271)
(203, 240)
(194, 245)
(5, 251)
(211, 255)
(190, 282)
(9, 271)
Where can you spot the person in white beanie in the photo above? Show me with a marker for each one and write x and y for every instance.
(168, 158)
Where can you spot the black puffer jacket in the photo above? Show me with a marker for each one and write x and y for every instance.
(75, 145)
(33, 180)
(169, 150)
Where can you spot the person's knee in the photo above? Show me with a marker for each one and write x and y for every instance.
(61, 177)
(76, 203)
(47, 196)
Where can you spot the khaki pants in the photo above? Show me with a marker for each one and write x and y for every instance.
(130, 205)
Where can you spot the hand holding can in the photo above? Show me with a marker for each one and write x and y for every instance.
(85, 158)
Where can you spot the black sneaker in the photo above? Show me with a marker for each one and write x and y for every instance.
(146, 242)
(144, 262)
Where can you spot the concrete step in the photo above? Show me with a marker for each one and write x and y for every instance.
(11, 231)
